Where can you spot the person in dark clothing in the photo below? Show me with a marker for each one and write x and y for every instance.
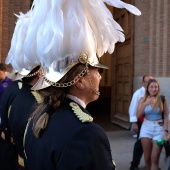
(14, 119)
(67, 38)
(137, 150)
(8, 153)
(4, 80)
(61, 133)
(4, 83)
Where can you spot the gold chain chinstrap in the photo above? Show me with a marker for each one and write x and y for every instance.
(83, 72)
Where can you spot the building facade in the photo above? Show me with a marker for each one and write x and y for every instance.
(150, 55)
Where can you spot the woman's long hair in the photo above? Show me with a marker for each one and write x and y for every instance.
(52, 97)
(158, 102)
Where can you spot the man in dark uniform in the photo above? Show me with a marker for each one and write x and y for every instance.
(8, 153)
(14, 121)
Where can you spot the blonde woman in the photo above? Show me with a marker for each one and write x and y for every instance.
(154, 126)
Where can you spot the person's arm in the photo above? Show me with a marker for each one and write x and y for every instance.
(142, 104)
(133, 111)
(141, 107)
(166, 113)
(133, 108)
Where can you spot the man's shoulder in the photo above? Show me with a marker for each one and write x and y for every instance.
(8, 80)
(139, 91)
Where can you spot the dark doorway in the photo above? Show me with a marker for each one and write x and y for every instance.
(101, 109)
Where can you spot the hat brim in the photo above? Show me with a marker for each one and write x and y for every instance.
(41, 84)
(99, 65)
(26, 71)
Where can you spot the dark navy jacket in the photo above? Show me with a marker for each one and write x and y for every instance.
(8, 153)
(68, 144)
(19, 114)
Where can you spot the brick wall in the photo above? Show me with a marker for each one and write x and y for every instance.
(7, 22)
(152, 43)
(151, 46)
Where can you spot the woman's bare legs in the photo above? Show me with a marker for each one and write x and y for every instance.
(156, 151)
(147, 149)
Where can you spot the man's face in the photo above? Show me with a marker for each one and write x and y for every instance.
(92, 85)
(146, 80)
(2, 75)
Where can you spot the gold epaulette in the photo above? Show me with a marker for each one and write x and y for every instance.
(4, 138)
(37, 96)
(82, 116)
(21, 161)
(19, 85)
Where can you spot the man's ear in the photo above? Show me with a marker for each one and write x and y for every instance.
(79, 84)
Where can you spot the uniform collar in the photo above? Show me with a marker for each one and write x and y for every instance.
(77, 100)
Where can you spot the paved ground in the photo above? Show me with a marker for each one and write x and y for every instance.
(122, 143)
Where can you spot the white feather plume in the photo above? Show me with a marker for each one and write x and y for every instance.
(57, 29)
(120, 4)
(16, 55)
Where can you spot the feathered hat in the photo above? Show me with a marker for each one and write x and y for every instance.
(61, 33)
(22, 65)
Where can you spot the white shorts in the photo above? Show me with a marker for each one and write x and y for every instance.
(151, 129)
